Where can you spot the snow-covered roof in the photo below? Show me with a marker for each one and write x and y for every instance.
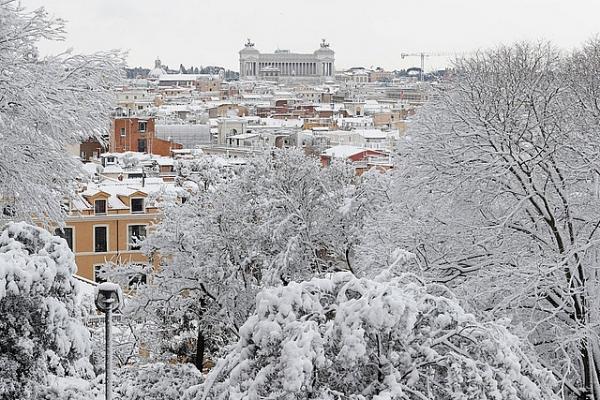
(92, 191)
(80, 203)
(371, 133)
(112, 169)
(343, 151)
(355, 120)
(374, 106)
(186, 77)
(243, 136)
(126, 187)
(291, 123)
(338, 132)
(92, 168)
(114, 203)
(165, 161)
(329, 107)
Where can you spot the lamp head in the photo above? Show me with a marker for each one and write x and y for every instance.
(109, 296)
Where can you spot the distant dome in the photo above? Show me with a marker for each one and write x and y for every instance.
(249, 50)
(157, 71)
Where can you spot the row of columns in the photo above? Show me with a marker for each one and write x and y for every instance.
(292, 68)
(248, 69)
(289, 68)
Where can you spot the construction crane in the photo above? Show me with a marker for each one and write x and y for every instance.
(423, 55)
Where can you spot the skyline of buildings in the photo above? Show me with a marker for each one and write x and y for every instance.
(167, 123)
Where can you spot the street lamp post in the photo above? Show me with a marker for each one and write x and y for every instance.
(109, 298)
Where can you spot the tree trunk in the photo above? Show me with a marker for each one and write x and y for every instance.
(591, 380)
(200, 347)
(586, 393)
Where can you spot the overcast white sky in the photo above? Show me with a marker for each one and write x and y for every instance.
(362, 32)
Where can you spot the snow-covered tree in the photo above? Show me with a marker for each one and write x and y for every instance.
(498, 196)
(155, 381)
(342, 337)
(46, 104)
(206, 171)
(40, 329)
(282, 218)
(125, 345)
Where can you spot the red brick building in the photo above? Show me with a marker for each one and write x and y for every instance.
(138, 134)
(91, 148)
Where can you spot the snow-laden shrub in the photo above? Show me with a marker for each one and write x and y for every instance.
(152, 381)
(350, 338)
(40, 332)
(155, 381)
(72, 389)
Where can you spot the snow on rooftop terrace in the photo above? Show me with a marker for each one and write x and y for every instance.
(141, 157)
(112, 169)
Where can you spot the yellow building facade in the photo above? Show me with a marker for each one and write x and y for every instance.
(106, 223)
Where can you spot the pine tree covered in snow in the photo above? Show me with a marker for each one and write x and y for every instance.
(40, 327)
(46, 104)
(342, 337)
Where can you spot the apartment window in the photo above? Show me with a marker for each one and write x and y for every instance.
(142, 145)
(100, 206)
(97, 274)
(137, 233)
(67, 234)
(100, 239)
(137, 205)
(142, 125)
(122, 132)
